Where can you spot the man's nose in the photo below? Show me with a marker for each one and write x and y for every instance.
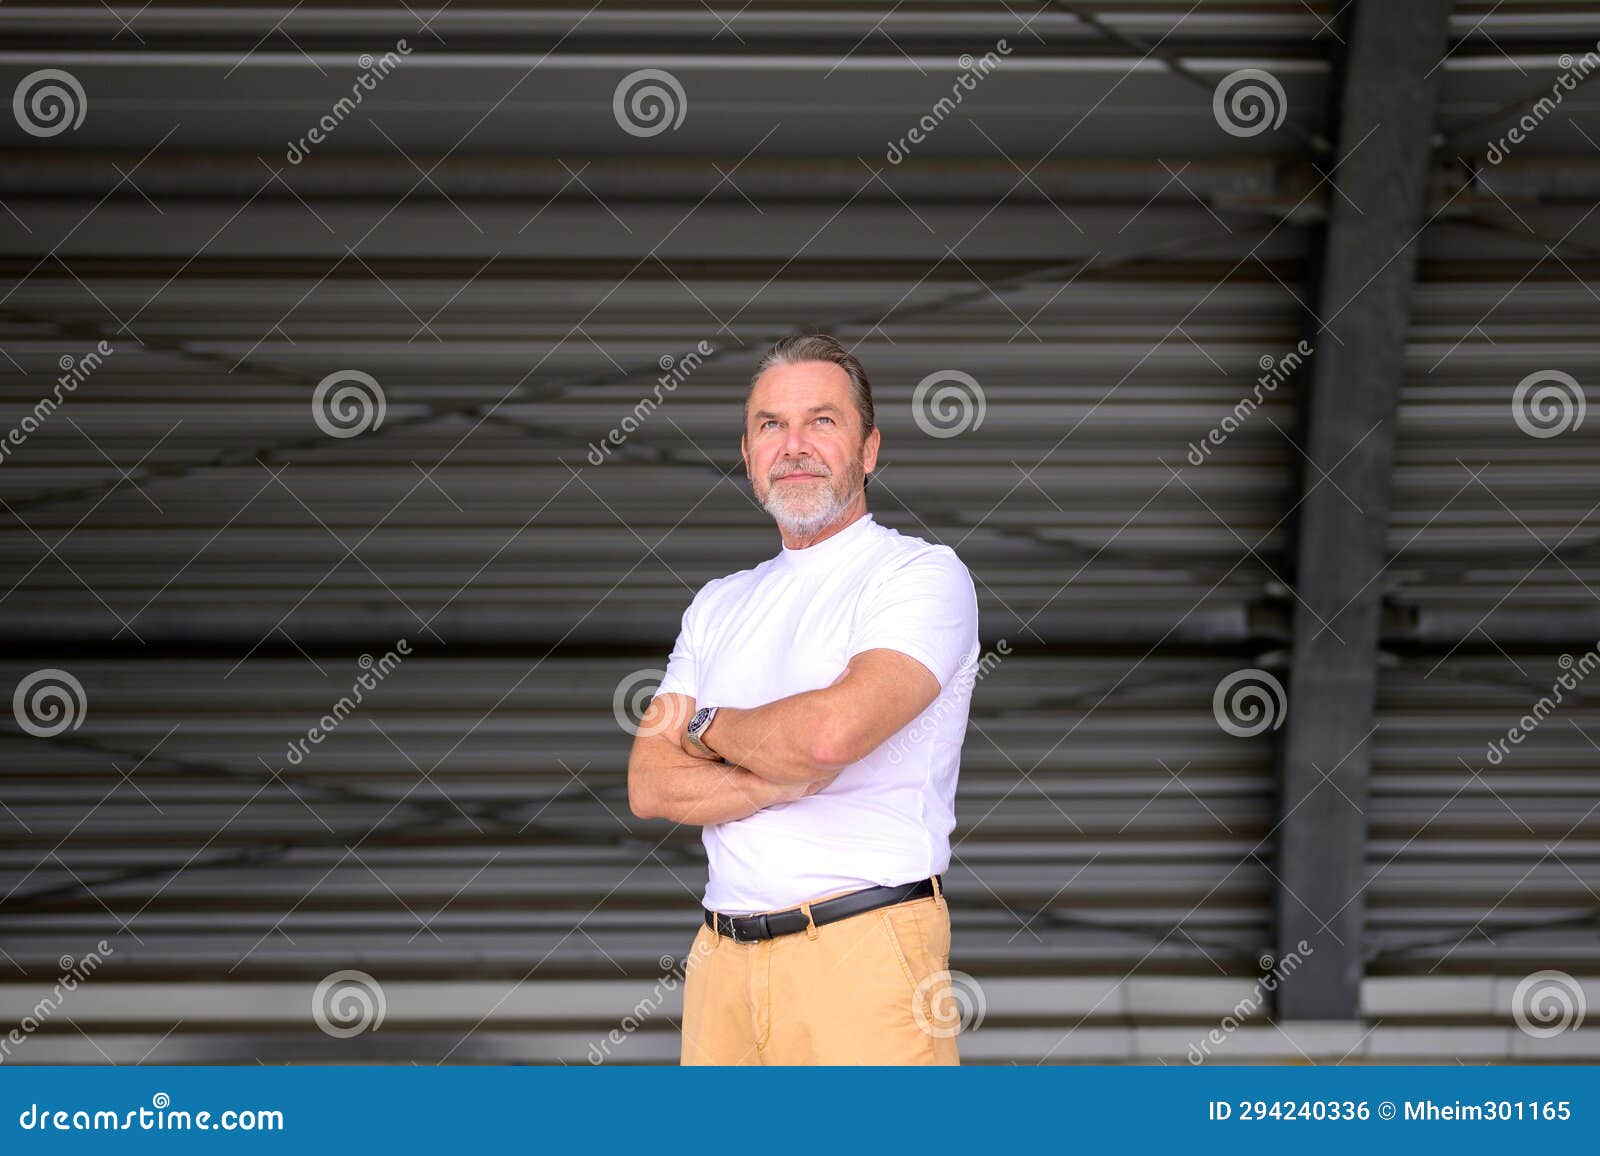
(790, 463)
(796, 443)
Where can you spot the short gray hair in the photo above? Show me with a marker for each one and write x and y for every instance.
(799, 347)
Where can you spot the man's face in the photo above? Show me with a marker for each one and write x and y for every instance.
(803, 447)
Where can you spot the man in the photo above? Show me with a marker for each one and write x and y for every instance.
(811, 720)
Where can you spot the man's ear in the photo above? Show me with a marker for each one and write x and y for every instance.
(869, 450)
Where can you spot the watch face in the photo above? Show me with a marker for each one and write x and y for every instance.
(699, 719)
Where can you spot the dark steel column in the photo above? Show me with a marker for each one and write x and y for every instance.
(1385, 140)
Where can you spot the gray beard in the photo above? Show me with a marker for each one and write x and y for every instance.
(804, 524)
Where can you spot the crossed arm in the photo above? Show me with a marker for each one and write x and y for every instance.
(776, 753)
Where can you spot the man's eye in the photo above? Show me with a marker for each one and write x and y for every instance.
(769, 421)
(825, 418)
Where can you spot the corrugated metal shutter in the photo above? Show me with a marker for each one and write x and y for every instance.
(210, 565)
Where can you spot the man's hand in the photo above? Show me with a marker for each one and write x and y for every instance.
(789, 792)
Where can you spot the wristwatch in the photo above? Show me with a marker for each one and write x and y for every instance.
(698, 725)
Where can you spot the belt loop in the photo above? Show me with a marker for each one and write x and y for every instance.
(811, 923)
(938, 893)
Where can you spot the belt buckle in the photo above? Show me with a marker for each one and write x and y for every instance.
(733, 928)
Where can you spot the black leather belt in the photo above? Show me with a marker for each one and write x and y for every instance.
(750, 928)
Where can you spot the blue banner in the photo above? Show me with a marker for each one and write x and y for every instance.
(434, 1109)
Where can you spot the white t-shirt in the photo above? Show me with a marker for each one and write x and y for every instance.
(792, 624)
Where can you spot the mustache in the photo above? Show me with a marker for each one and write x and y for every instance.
(796, 469)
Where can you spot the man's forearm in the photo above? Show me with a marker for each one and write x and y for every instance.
(665, 783)
(814, 735)
(785, 741)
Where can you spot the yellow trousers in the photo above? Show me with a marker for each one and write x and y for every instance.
(870, 989)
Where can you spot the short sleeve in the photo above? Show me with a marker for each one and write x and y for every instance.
(926, 608)
(683, 674)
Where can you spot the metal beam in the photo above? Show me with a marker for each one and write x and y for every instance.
(1389, 90)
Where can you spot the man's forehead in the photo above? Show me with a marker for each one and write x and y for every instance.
(795, 387)
(822, 377)
(818, 407)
